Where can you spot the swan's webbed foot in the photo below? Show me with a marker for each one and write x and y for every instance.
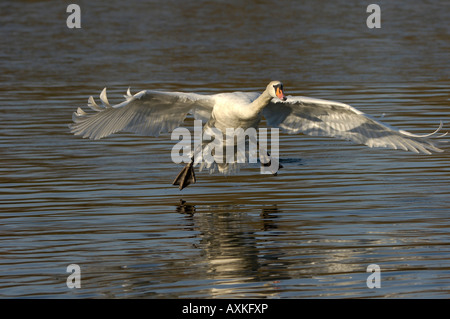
(186, 176)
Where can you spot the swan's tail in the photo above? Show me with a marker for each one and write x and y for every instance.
(186, 176)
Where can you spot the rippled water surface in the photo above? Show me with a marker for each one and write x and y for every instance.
(311, 231)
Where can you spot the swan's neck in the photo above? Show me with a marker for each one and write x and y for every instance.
(261, 102)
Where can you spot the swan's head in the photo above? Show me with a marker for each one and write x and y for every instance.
(275, 89)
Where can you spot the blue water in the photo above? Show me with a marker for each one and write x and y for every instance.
(310, 232)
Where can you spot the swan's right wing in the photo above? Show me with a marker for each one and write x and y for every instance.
(318, 117)
(145, 113)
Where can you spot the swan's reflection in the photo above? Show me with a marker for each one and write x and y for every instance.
(233, 251)
(234, 248)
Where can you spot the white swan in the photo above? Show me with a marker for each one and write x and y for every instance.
(154, 112)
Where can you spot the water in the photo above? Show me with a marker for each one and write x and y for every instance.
(311, 231)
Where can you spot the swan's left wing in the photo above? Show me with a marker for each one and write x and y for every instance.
(146, 113)
(318, 117)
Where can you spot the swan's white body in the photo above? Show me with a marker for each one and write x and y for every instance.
(154, 112)
(233, 110)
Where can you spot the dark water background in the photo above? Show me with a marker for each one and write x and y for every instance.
(311, 231)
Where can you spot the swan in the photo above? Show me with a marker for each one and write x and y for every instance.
(153, 112)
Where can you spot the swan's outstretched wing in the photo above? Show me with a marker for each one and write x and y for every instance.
(327, 118)
(145, 113)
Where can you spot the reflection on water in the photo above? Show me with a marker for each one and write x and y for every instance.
(233, 252)
(311, 231)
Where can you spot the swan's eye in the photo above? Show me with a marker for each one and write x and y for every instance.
(278, 86)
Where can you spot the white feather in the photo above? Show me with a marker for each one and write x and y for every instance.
(93, 105)
(104, 98)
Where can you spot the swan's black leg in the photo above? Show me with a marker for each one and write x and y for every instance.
(186, 176)
(269, 164)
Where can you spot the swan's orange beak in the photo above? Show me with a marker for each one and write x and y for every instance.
(280, 94)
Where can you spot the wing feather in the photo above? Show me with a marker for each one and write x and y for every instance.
(318, 117)
(145, 113)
